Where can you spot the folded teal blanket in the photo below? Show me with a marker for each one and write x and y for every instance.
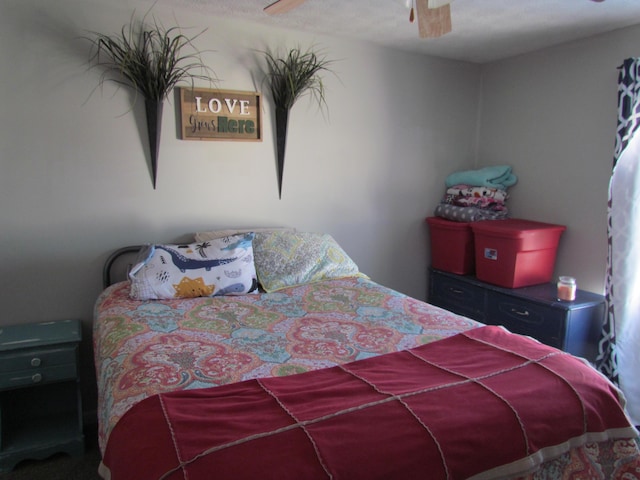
(497, 176)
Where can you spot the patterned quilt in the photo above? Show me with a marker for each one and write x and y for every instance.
(147, 347)
(423, 413)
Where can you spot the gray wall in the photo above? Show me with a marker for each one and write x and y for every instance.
(75, 185)
(552, 116)
(74, 182)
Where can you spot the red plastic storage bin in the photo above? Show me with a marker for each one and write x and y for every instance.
(515, 253)
(451, 245)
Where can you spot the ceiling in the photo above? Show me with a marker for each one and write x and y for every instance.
(483, 30)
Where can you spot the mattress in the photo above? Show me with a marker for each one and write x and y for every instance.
(300, 329)
(151, 347)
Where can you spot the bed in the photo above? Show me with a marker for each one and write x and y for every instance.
(268, 354)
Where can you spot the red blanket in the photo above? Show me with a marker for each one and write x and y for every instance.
(481, 401)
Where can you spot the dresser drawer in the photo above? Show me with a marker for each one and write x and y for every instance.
(39, 365)
(457, 296)
(542, 322)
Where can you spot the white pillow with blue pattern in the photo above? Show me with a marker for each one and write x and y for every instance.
(224, 266)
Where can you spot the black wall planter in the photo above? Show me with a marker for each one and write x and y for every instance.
(148, 58)
(289, 78)
(153, 110)
(282, 119)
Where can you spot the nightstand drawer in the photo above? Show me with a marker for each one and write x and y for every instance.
(38, 365)
(37, 376)
(527, 318)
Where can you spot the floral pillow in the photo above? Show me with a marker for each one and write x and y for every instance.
(223, 266)
(288, 258)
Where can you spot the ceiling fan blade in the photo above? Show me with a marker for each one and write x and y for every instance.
(282, 6)
(433, 22)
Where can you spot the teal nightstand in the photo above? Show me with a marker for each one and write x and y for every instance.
(40, 402)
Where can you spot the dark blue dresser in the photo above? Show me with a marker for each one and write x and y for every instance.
(534, 311)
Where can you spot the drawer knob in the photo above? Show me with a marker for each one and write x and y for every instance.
(522, 313)
(37, 377)
(35, 362)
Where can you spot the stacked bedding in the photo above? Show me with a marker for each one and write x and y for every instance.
(474, 195)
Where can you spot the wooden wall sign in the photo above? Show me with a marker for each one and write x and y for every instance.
(212, 114)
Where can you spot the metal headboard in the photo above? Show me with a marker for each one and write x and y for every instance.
(115, 267)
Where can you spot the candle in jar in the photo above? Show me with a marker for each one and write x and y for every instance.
(567, 289)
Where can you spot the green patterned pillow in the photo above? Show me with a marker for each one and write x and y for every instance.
(287, 259)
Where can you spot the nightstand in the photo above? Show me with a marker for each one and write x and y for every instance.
(535, 311)
(40, 402)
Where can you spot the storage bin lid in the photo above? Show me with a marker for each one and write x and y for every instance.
(533, 235)
(443, 223)
(513, 227)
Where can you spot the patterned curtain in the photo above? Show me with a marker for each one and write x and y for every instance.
(619, 356)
